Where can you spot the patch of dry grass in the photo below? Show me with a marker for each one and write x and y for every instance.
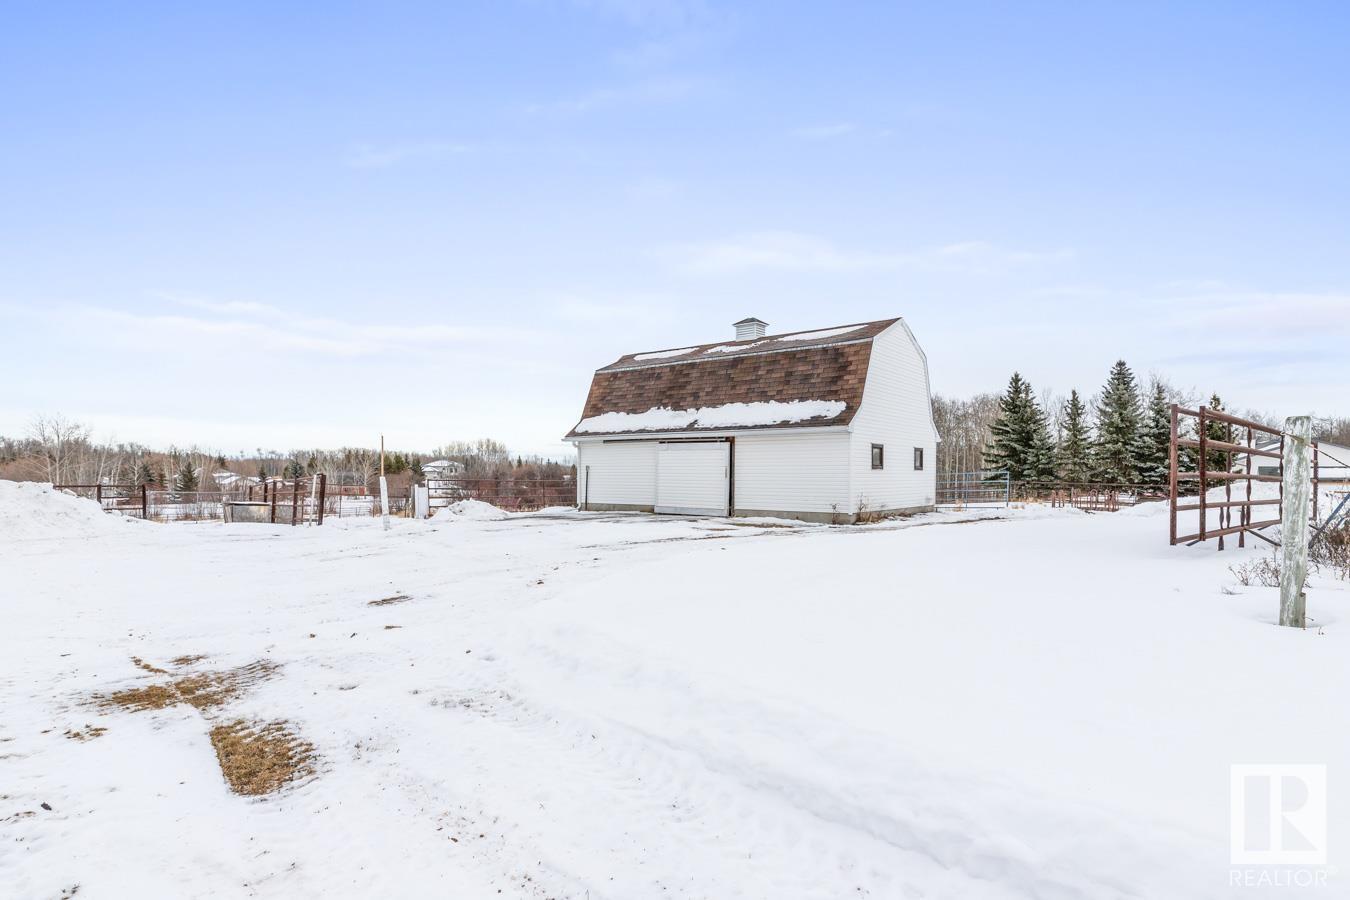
(153, 696)
(390, 601)
(181, 661)
(142, 664)
(260, 758)
(88, 733)
(255, 758)
(209, 689)
(214, 688)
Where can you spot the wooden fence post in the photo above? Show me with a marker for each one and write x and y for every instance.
(323, 493)
(273, 518)
(145, 505)
(1297, 488)
(295, 498)
(384, 501)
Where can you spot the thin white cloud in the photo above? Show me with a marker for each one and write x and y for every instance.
(370, 156)
(794, 251)
(652, 188)
(1260, 319)
(644, 93)
(651, 14)
(248, 326)
(634, 309)
(825, 132)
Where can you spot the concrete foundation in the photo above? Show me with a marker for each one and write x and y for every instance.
(825, 518)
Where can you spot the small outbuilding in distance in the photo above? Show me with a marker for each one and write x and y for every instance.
(831, 425)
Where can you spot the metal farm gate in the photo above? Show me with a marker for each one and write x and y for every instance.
(963, 489)
(1200, 462)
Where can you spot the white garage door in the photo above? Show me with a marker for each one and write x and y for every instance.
(691, 478)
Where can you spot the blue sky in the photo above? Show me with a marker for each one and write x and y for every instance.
(249, 226)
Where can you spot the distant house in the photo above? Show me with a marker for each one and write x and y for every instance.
(229, 480)
(441, 477)
(825, 425)
(441, 469)
(1332, 461)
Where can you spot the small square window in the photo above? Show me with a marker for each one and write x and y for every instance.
(918, 459)
(878, 456)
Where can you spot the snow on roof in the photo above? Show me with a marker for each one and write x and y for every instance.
(731, 348)
(819, 335)
(729, 415)
(664, 354)
(768, 382)
(226, 478)
(773, 343)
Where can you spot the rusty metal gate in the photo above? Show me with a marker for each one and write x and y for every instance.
(1201, 460)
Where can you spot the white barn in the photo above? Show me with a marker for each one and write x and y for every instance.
(830, 425)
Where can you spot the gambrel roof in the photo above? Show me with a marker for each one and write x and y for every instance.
(804, 378)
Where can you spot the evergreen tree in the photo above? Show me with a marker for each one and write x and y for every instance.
(186, 480)
(1020, 441)
(1155, 439)
(293, 470)
(262, 473)
(143, 475)
(1041, 456)
(1117, 428)
(416, 466)
(1075, 446)
(1216, 460)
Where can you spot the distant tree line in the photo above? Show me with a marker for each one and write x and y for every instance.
(60, 451)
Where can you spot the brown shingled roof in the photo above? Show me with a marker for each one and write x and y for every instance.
(830, 366)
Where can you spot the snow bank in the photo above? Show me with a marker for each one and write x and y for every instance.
(729, 415)
(29, 509)
(476, 510)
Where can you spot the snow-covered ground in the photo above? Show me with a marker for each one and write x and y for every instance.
(1025, 703)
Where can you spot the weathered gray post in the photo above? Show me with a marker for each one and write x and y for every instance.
(1294, 520)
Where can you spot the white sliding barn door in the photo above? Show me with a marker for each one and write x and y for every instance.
(692, 479)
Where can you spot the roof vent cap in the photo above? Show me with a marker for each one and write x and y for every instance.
(751, 329)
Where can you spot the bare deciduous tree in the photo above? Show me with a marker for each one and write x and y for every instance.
(61, 446)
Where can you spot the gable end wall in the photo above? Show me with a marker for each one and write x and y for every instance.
(896, 412)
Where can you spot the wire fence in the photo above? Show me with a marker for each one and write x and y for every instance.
(513, 495)
(306, 499)
(962, 489)
(984, 488)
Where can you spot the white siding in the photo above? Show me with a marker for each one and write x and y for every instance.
(820, 472)
(620, 472)
(896, 413)
(1333, 462)
(792, 472)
